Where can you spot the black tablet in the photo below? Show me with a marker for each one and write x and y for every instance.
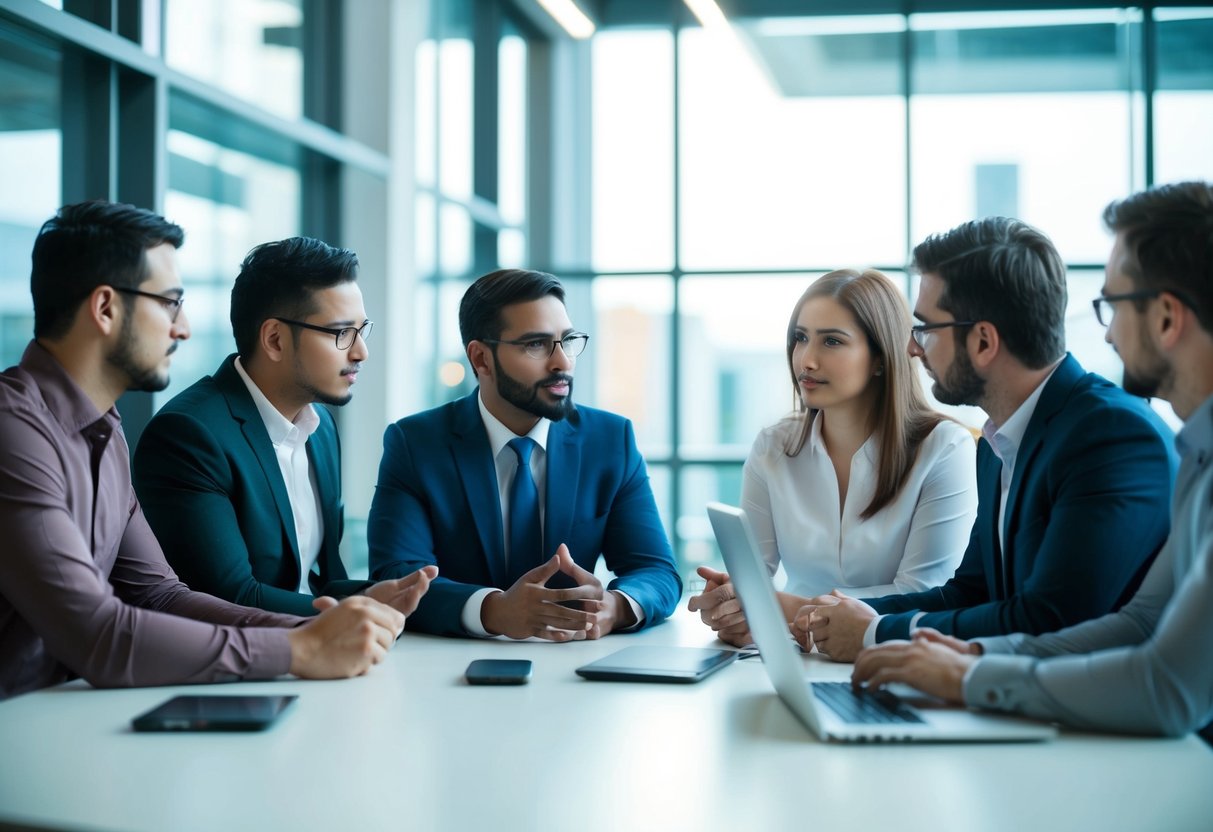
(213, 713)
(657, 664)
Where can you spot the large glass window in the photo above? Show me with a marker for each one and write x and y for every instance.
(30, 168)
(1023, 115)
(250, 48)
(231, 188)
(800, 144)
(790, 151)
(1183, 103)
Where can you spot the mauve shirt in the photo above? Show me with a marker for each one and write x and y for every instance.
(84, 586)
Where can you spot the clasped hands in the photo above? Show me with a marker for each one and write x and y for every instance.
(530, 608)
(835, 624)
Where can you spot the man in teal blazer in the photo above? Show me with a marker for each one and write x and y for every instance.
(240, 474)
(447, 486)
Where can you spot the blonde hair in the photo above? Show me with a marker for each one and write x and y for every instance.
(902, 418)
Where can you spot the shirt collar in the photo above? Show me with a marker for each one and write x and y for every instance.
(817, 443)
(1005, 440)
(500, 435)
(66, 401)
(1196, 436)
(281, 429)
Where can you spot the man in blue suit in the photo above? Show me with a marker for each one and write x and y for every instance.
(487, 486)
(240, 474)
(1074, 474)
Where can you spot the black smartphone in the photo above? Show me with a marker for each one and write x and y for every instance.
(498, 672)
(213, 713)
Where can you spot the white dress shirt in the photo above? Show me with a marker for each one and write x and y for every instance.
(913, 543)
(506, 463)
(290, 447)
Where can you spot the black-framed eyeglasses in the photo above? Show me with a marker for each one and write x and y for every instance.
(919, 331)
(345, 335)
(1104, 302)
(172, 304)
(572, 344)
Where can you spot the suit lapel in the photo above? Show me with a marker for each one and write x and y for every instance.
(478, 475)
(1052, 400)
(563, 476)
(244, 412)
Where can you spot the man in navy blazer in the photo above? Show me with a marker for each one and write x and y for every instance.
(450, 478)
(1074, 474)
(240, 474)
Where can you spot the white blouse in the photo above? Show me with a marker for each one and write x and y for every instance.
(913, 543)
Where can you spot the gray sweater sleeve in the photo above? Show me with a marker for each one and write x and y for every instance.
(1162, 685)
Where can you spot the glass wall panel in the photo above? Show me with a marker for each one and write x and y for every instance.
(511, 128)
(700, 485)
(1025, 115)
(631, 342)
(454, 239)
(733, 342)
(633, 151)
(228, 200)
(250, 48)
(425, 113)
(31, 145)
(791, 151)
(455, 124)
(452, 376)
(1183, 104)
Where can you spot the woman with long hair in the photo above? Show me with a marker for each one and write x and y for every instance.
(863, 487)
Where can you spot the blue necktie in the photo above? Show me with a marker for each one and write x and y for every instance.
(526, 542)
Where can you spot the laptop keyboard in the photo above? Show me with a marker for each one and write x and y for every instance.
(879, 708)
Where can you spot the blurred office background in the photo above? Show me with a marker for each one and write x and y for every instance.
(687, 172)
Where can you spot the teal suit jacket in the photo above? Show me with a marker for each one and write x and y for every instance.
(437, 503)
(209, 482)
(1088, 510)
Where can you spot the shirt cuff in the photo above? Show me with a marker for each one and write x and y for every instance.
(471, 612)
(997, 682)
(869, 635)
(636, 611)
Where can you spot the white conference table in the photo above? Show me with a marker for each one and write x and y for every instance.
(411, 746)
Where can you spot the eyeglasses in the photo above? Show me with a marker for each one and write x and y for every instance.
(345, 335)
(173, 305)
(919, 331)
(1105, 302)
(572, 344)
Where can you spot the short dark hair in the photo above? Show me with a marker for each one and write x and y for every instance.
(1168, 237)
(278, 280)
(480, 309)
(86, 245)
(1006, 272)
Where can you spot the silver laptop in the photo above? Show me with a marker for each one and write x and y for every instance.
(830, 709)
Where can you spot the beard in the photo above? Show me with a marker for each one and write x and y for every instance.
(961, 384)
(527, 398)
(1155, 373)
(140, 379)
(318, 395)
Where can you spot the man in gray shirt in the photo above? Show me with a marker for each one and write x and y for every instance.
(84, 586)
(1145, 669)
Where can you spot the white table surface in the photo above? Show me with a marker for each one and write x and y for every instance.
(411, 746)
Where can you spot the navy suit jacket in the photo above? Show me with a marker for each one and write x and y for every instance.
(437, 502)
(209, 482)
(1087, 511)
